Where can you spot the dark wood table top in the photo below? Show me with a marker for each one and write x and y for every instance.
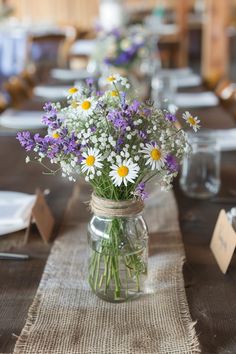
(211, 295)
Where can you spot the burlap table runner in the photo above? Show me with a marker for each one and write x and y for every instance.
(66, 318)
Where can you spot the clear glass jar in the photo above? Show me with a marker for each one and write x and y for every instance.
(200, 177)
(117, 257)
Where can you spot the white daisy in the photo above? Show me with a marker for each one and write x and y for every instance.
(154, 155)
(124, 172)
(92, 161)
(73, 92)
(192, 121)
(117, 79)
(86, 106)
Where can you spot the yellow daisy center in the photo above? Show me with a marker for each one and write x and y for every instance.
(55, 135)
(90, 160)
(123, 171)
(155, 154)
(114, 93)
(73, 90)
(86, 105)
(111, 78)
(191, 121)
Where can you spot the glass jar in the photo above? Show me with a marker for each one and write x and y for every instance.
(117, 257)
(200, 177)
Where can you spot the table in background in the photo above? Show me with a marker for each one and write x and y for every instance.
(210, 294)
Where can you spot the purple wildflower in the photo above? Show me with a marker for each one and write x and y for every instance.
(118, 120)
(170, 117)
(134, 107)
(48, 107)
(50, 118)
(71, 145)
(90, 82)
(116, 33)
(140, 191)
(119, 143)
(142, 134)
(99, 93)
(123, 100)
(93, 128)
(26, 140)
(147, 112)
(171, 163)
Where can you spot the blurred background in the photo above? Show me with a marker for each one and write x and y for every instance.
(165, 47)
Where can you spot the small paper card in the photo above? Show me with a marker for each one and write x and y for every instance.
(43, 217)
(223, 241)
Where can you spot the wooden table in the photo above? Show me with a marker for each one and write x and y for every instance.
(210, 294)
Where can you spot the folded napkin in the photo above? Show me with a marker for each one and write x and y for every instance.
(21, 119)
(15, 208)
(202, 99)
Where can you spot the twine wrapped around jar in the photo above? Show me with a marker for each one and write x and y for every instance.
(112, 208)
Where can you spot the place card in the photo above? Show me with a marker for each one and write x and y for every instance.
(223, 241)
(43, 218)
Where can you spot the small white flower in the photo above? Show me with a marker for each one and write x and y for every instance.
(92, 160)
(124, 172)
(192, 121)
(154, 156)
(27, 159)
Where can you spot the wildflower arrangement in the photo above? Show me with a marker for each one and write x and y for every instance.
(117, 143)
(121, 48)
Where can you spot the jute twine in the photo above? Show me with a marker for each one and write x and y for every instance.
(111, 208)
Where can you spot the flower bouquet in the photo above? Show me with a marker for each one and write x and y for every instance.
(118, 144)
(120, 48)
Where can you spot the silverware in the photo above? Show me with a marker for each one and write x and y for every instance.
(13, 256)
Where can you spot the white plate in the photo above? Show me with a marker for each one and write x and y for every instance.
(15, 210)
(21, 119)
(51, 92)
(192, 100)
(69, 74)
(83, 47)
(191, 80)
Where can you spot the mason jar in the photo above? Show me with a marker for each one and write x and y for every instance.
(117, 256)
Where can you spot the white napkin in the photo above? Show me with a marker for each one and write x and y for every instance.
(190, 80)
(191, 100)
(15, 208)
(226, 138)
(21, 119)
(51, 92)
